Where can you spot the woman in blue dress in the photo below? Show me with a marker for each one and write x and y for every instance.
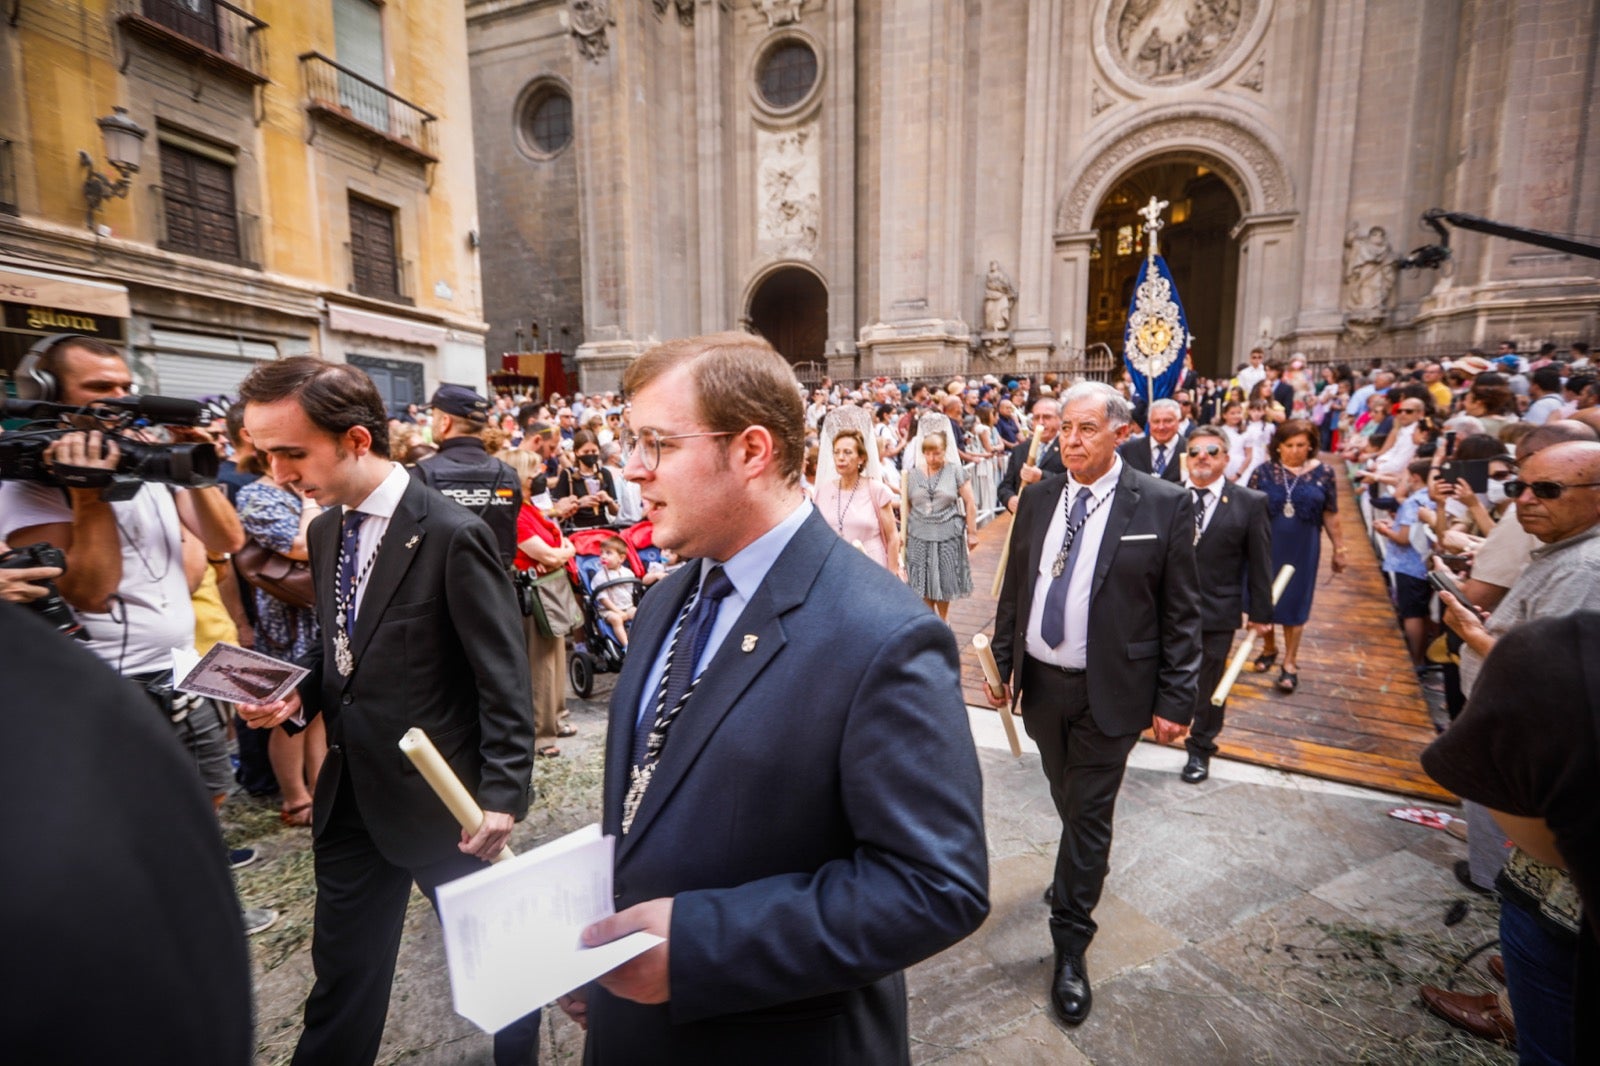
(1303, 501)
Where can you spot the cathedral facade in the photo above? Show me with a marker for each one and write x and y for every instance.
(910, 186)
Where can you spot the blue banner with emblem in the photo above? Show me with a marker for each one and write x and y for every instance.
(1157, 337)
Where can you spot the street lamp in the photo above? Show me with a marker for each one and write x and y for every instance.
(124, 143)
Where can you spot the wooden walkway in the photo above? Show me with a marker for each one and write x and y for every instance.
(1358, 717)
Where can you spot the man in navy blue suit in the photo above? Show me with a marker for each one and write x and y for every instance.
(789, 770)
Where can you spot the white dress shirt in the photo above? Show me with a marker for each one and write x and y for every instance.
(379, 507)
(1213, 496)
(1074, 651)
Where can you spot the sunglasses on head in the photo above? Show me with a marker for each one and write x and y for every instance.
(1544, 490)
(1212, 450)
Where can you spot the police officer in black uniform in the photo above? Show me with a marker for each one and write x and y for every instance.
(467, 474)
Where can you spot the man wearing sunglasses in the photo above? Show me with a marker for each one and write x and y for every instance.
(1557, 496)
(1232, 549)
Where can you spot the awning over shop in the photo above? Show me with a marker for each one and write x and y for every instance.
(389, 327)
(60, 293)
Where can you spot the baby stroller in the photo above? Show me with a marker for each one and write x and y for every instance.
(596, 650)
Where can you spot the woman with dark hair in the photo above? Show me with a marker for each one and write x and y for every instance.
(1303, 502)
(590, 482)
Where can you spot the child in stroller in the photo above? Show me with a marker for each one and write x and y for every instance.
(602, 585)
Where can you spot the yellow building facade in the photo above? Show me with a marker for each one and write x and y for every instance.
(304, 183)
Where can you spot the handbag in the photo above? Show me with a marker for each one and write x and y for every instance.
(279, 576)
(549, 601)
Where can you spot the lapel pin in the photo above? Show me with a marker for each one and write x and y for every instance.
(412, 543)
(749, 643)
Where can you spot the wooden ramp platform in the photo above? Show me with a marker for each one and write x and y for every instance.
(1358, 717)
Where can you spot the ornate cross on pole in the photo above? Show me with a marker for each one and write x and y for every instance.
(1152, 223)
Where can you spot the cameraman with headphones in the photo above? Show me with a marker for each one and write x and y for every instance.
(125, 573)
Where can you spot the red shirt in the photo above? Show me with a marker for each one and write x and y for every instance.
(530, 523)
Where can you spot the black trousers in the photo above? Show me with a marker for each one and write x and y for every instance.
(1084, 768)
(1207, 722)
(361, 910)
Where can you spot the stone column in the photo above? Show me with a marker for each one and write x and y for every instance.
(612, 142)
(839, 186)
(713, 159)
(918, 324)
(1068, 284)
(1338, 83)
(1032, 335)
(1265, 298)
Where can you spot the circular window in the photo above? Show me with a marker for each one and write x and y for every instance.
(787, 74)
(546, 120)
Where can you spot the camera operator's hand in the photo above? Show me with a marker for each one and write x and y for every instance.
(16, 585)
(190, 435)
(269, 715)
(90, 450)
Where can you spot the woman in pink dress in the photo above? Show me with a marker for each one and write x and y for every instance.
(852, 497)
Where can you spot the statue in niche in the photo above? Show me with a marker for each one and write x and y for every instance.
(999, 297)
(1370, 269)
(1175, 40)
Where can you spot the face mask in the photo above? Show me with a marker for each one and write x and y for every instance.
(1496, 494)
(588, 461)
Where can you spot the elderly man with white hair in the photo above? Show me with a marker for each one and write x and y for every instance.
(1098, 627)
(1159, 452)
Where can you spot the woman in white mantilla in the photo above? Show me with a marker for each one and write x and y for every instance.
(941, 517)
(851, 495)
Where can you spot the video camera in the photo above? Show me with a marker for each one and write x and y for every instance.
(22, 452)
(52, 606)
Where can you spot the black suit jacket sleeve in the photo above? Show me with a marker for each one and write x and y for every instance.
(1027, 524)
(482, 609)
(1013, 476)
(1179, 675)
(1258, 561)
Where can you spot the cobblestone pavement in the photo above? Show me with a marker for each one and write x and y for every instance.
(1258, 917)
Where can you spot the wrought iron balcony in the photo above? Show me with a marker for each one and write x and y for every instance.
(212, 33)
(367, 109)
(183, 225)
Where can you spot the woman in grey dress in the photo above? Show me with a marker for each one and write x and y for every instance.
(938, 534)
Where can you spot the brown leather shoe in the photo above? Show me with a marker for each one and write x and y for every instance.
(1497, 968)
(1478, 1015)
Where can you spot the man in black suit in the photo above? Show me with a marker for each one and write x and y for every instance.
(1281, 391)
(789, 771)
(1098, 627)
(1019, 472)
(122, 933)
(1160, 451)
(1233, 548)
(420, 627)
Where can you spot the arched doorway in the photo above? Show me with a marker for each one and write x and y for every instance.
(1196, 244)
(790, 309)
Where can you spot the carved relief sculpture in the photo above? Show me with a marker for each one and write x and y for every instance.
(1163, 41)
(780, 12)
(685, 10)
(789, 200)
(1370, 268)
(588, 19)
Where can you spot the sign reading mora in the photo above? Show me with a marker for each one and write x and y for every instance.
(38, 319)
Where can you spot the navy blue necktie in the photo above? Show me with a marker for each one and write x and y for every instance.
(349, 559)
(1053, 626)
(688, 644)
(1200, 498)
(1161, 460)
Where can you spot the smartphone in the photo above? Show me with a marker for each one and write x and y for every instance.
(1446, 583)
(1475, 472)
(1458, 563)
(1449, 442)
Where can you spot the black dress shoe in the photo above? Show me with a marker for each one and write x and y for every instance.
(1070, 997)
(1197, 769)
(1050, 894)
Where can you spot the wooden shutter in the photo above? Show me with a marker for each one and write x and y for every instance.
(373, 261)
(198, 198)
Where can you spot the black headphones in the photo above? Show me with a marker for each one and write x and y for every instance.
(33, 381)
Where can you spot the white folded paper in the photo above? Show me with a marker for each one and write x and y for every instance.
(511, 930)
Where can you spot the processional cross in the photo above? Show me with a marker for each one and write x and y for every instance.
(1152, 223)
